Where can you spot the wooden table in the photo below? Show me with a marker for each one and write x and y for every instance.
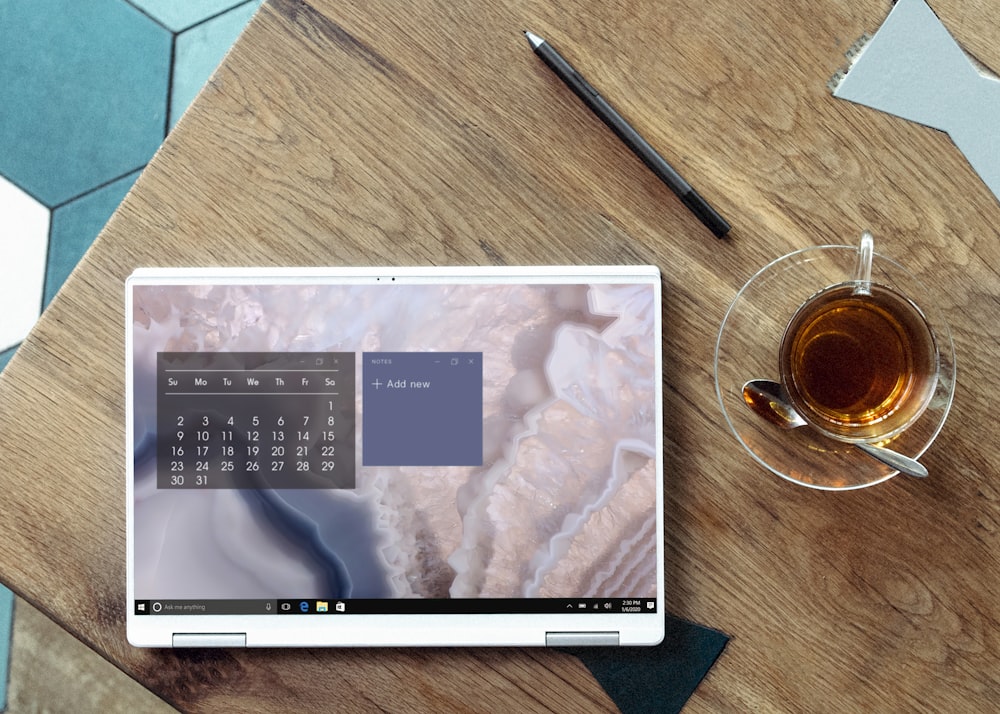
(353, 133)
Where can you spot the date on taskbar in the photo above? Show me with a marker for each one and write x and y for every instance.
(408, 606)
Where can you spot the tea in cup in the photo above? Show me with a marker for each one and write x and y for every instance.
(858, 359)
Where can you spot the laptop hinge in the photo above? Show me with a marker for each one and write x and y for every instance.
(581, 639)
(210, 640)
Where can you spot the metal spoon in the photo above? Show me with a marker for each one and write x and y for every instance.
(769, 400)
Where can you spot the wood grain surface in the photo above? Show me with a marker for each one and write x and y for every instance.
(361, 133)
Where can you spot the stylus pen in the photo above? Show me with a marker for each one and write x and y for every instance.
(639, 146)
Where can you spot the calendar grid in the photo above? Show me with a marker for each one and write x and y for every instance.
(253, 420)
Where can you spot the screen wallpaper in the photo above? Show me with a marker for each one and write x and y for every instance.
(394, 441)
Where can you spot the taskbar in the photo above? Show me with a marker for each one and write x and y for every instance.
(407, 606)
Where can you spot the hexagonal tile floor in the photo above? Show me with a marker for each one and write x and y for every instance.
(88, 91)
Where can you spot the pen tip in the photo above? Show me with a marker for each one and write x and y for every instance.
(533, 39)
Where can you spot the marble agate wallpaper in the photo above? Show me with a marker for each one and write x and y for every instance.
(563, 504)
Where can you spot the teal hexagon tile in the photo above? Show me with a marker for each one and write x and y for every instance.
(83, 93)
(75, 225)
(198, 52)
(6, 630)
(178, 16)
(5, 356)
(24, 237)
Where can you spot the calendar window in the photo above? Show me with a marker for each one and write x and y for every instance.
(255, 420)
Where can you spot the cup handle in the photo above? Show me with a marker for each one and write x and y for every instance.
(863, 273)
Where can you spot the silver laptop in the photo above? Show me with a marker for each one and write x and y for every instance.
(394, 457)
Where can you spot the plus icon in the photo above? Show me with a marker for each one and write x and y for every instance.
(377, 383)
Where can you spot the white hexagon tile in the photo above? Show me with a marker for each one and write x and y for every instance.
(24, 239)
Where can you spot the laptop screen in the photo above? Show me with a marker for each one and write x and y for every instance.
(309, 443)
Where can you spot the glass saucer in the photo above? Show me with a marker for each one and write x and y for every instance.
(747, 348)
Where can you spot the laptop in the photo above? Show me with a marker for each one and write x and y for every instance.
(394, 457)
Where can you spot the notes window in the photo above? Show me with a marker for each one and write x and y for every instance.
(422, 409)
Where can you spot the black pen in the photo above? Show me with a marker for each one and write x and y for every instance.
(639, 146)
